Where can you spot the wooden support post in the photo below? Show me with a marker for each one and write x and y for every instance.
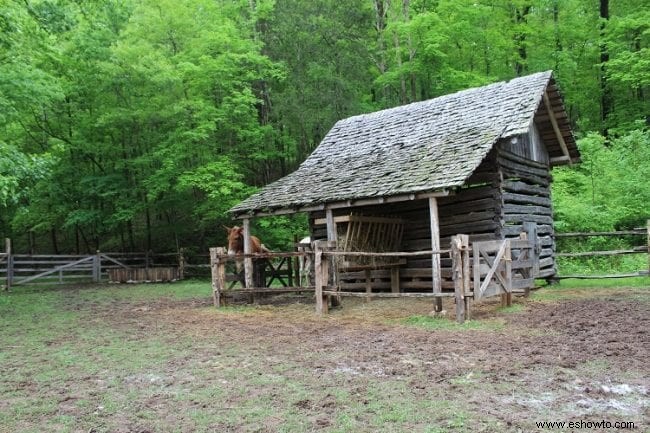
(648, 223)
(218, 271)
(97, 267)
(464, 242)
(10, 264)
(435, 246)
(332, 236)
(331, 225)
(457, 276)
(506, 297)
(320, 279)
(248, 262)
(181, 264)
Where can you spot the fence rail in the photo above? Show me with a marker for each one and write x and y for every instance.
(640, 249)
(20, 269)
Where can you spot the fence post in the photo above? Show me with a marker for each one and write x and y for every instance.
(218, 270)
(459, 245)
(321, 270)
(10, 264)
(97, 267)
(464, 240)
(181, 264)
(648, 225)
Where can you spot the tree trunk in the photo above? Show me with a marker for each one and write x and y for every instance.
(521, 19)
(606, 102)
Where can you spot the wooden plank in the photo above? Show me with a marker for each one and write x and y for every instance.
(510, 197)
(641, 250)
(558, 134)
(493, 269)
(503, 153)
(523, 166)
(271, 290)
(318, 276)
(331, 225)
(248, 262)
(392, 254)
(639, 232)
(360, 218)
(112, 260)
(511, 208)
(598, 277)
(525, 188)
(54, 270)
(10, 265)
(435, 246)
(389, 294)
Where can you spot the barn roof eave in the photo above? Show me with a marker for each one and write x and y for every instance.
(254, 213)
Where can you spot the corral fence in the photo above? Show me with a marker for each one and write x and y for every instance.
(640, 237)
(22, 269)
(478, 271)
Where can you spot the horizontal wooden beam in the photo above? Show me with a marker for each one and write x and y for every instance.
(345, 204)
(392, 295)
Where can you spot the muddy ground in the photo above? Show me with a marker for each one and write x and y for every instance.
(278, 367)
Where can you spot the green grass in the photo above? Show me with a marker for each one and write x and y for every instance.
(444, 323)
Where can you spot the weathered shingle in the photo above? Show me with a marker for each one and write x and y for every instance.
(421, 147)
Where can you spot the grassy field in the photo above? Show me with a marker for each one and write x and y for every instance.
(160, 358)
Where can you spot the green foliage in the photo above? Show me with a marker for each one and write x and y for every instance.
(137, 124)
(609, 190)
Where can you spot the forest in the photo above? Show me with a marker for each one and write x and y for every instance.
(133, 125)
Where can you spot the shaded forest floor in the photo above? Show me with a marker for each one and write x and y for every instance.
(159, 358)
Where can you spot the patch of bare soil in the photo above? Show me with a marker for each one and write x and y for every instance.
(567, 360)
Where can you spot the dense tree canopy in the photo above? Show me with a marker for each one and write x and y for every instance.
(135, 124)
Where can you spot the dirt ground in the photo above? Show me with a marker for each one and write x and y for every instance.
(364, 368)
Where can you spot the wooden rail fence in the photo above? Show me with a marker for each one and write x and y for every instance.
(640, 249)
(496, 268)
(21, 269)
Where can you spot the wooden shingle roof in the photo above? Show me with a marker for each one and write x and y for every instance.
(421, 147)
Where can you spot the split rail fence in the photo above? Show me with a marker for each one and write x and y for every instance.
(480, 270)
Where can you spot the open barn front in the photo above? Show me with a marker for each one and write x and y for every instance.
(477, 271)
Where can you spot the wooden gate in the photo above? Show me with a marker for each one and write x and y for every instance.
(492, 268)
(503, 267)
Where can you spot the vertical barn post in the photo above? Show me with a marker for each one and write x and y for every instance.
(435, 246)
(10, 264)
(218, 271)
(248, 262)
(332, 236)
(457, 276)
(318, 277)
(464, 243)
(506, 298)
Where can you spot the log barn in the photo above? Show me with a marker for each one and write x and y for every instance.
(476, 162)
